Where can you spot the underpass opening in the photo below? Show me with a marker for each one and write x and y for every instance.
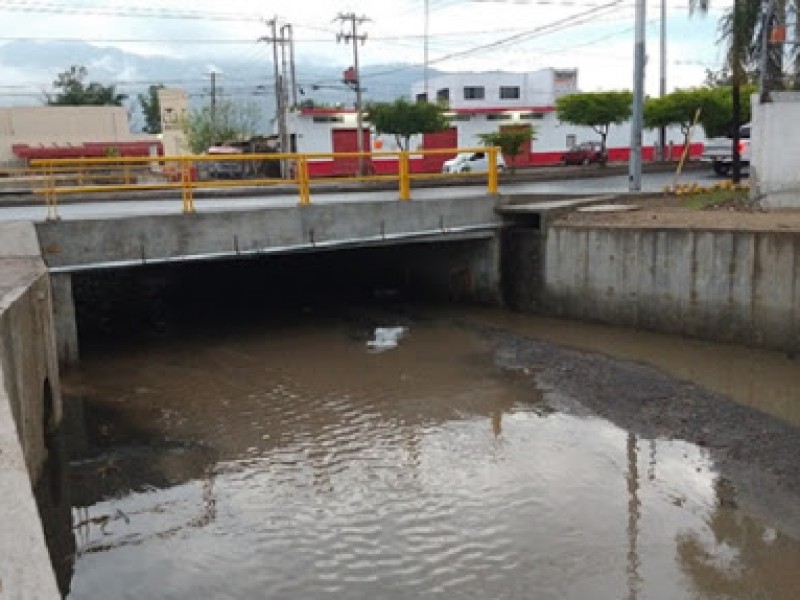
(175, 298)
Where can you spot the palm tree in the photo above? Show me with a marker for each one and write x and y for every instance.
(738, 30)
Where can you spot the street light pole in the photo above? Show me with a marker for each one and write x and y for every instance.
(662, 87)
(425, 62)
(763, 85)
(635, 161)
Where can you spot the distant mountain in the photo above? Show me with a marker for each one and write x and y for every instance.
(28, 69)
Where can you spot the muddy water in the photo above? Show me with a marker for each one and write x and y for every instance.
(289, 461)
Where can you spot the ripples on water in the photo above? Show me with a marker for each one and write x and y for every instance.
(296, 464)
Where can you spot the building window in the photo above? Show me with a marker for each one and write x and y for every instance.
(457, 117)
(498, 117)
(443, 95)
(474, 93)
(328, 119)
(531, 116)
(423, 97)
(509, 92)
(572, 140)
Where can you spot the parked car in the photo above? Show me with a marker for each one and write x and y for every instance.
(224, 169)
(467, 162)
(719, 152)
(584, 154)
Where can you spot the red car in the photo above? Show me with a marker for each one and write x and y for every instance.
(584, 154)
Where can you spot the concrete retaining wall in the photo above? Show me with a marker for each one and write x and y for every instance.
(775, 155)
(731, 286)
(30, 414)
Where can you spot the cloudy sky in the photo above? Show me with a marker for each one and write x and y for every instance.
(596, 36)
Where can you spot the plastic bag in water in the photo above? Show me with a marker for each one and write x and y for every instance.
(386, 338)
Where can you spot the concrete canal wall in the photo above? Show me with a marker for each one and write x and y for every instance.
(730, 286)
(30, 414)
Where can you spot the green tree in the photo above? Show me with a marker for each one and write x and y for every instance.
(678, 108)
(738, 30)
(510, 142)
(404, 119)
(717, 116)
(151, 109)
(598, 110)
(230, 122)
(74, 92)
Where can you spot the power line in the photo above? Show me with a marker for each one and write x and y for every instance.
(25, 6)
(557, 25)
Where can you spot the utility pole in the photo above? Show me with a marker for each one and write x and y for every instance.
(291, 65)
(280, 113)
(635, 162)
(213, 75)
(285, 33)
(662, 87)
(353, 36)
(425, 67)
(766, 27)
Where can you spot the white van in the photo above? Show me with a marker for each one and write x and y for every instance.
(471, 162)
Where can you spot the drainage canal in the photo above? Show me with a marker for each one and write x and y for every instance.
(307, 428)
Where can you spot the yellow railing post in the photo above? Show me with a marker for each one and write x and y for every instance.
(50, 196)
(186, 186)
(403, 174)
(492, 182)
(303, 181)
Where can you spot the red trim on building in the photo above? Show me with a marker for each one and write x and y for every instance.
(459, 111)
(86, 150)
(388, 166)
(326, 111)
(490, 110)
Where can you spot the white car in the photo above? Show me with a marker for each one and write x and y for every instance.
(719, 152)
(471, 162)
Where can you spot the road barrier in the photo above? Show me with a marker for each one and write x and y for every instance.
(84, 176)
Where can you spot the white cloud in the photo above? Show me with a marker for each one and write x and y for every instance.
(601, 48)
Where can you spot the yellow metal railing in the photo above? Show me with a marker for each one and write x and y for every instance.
(68, 176)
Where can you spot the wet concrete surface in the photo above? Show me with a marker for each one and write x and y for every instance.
(480, 458)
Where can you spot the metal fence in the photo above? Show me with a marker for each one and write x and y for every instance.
(61, 177)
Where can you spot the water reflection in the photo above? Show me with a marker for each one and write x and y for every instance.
(302, 466)
(740, 554)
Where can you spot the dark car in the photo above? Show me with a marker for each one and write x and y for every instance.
(584, 154)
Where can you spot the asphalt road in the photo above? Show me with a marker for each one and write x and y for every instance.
(652, 182)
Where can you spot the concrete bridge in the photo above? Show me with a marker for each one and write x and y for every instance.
(453, 248)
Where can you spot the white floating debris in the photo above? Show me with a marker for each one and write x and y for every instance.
(386, 338)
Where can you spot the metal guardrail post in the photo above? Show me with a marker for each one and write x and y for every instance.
(303, 181)
(403, 175)
(492, 179)
(50, 196)
(186, 186)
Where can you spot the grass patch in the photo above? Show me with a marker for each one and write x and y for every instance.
(716, 198)
(723, 194)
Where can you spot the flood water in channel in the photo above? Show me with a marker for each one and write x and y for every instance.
(293, 459)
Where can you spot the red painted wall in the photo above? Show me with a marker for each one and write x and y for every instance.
(534, 159)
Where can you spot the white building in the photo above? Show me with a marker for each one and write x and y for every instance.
(478, 103)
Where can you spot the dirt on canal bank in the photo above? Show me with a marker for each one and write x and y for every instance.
(672, 212)
(755, 452)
